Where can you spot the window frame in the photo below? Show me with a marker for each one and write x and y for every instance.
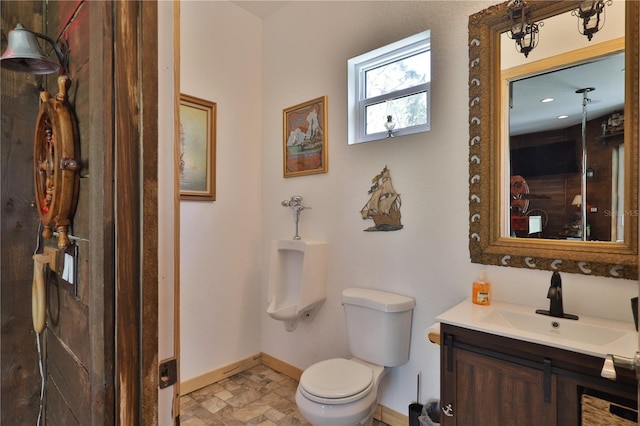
(358, 103)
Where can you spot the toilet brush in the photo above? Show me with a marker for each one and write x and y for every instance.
(415, 409)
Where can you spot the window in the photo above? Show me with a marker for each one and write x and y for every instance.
(393, 81)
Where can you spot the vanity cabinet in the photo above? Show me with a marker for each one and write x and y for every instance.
(493, 380)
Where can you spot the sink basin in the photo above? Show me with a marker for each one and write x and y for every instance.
(554, 327)
(587, 335)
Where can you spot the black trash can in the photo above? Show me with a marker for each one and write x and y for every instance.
(432, 411)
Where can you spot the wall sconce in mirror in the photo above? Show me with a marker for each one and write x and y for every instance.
(591, 16)
(590, 172)
(23, 53)
(577, 201)
(576, 219)
(521, 30)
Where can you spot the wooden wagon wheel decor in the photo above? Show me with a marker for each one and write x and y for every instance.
(56, 168)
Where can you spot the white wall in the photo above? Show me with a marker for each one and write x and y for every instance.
(303, 53)
(221, 241)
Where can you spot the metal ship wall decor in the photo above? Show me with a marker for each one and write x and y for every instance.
(383, 205)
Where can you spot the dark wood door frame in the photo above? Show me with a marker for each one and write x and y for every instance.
(136, 211)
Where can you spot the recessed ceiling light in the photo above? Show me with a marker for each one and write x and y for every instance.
(562, 117)
(545, 100)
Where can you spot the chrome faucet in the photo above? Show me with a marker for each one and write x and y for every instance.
(296, 204)
(555, 299)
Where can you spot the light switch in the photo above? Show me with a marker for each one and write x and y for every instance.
(68, 272)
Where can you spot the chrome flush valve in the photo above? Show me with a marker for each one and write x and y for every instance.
(296, 204)
(613, 361)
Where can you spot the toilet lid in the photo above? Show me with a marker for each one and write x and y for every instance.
(336, 378)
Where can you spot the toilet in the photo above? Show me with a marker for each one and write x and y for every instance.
(342, 391)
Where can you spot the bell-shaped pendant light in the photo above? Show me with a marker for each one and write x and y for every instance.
(23, 53)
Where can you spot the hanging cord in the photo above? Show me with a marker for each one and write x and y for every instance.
(40, 361)
(41, 368)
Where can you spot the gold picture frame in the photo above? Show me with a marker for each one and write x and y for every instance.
(197, 149)
(305, 143)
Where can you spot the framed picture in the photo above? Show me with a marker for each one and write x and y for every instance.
(197, 158)
(305, 138)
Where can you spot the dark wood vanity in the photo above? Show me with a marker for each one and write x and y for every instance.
(491, 380)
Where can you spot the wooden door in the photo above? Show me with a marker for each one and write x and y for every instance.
(478, 390)
(93, 374)
(491, 392)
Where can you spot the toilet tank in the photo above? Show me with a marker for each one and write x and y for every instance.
(378, 325)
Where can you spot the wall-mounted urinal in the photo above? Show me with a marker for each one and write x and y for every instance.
(297, 280)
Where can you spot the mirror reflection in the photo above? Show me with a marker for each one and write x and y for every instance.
(542, 196)
(565, 138)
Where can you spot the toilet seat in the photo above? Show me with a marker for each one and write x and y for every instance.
(336, 381)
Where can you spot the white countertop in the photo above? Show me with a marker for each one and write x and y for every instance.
(522, 323)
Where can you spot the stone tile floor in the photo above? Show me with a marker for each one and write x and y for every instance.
(258, 396)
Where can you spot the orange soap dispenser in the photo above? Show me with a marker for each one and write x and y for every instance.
(481, 289)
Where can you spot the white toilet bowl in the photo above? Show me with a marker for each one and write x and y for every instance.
(342, 392)
(339, 392)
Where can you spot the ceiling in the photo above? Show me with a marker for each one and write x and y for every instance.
(261, 9)
(529, 115)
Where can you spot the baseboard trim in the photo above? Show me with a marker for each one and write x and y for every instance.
(281, 366)
(214, 376)
(390, 417)
(383, 414)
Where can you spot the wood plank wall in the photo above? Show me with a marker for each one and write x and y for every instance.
(69, 355)
(100, 137)
(556, 192)
(19, 377)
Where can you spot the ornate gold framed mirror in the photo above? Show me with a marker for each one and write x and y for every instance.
(494, 237)
(55, 163)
